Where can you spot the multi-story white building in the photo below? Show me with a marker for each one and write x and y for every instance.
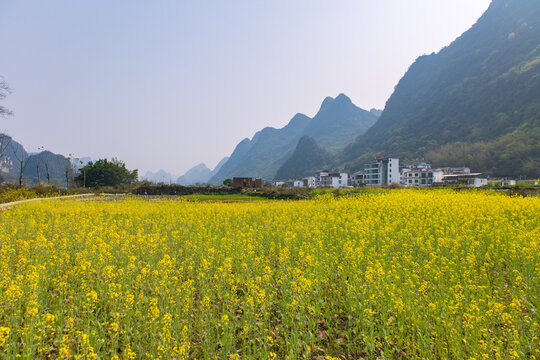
(421, 177)
(331, 179)
(382, 171)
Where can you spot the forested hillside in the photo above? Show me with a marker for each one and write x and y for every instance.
(475, 103)
(307, 158)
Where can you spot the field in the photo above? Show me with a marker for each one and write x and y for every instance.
(223, 198)
(400, 274)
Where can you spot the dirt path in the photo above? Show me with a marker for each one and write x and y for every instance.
(6, 206)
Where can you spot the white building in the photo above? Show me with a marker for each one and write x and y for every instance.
(508, 182)
(309, 181)
(463, 178)
(420, 174)
(295, 183)
(382, 171)
(358, 178)
(331, 179)
(477, 182)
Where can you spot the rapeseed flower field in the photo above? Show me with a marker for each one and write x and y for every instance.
(405, 274)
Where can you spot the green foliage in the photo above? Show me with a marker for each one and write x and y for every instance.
(476, 103)
(12, 192)
(106, 173)
(307, 158)
(228, 182)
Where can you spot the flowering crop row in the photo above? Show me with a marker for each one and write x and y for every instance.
(394, 275)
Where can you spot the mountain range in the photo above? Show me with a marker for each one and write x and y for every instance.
(160, 176)
(475, 103)
(200, 174)
(307, 158)
(337, 123)
(49, 165)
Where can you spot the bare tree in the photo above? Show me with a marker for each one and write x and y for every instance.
(5, 90)
(38, 163)
(44, 158)
(5, 140)
(22, 158)
(69, 170)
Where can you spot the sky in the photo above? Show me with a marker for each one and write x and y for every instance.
(169, 84)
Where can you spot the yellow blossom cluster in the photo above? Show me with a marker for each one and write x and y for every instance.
(392, 274)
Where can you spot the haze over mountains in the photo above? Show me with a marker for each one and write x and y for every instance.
(10, 164)
(476, 103)
(200, 174)
(335, 125)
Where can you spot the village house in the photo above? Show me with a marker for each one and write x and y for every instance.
(309, 181)
(331, 179)
(420, 174)
(295, 183)
(358, 178)
(382, 171)
(247, 182)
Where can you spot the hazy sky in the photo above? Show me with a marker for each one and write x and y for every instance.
(169, 84)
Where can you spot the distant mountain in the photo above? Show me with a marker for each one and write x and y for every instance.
(53, 164)
(11, 151)
(337, 123)
(160, 176)
(307, 158)
(199, 174)
(475, 103)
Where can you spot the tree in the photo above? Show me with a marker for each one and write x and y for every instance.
(5, 90)
(45, 159)
(22, 158)
(5, 140)
(38, 163)
(106, 173)
(228, 182)
(69, 170)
